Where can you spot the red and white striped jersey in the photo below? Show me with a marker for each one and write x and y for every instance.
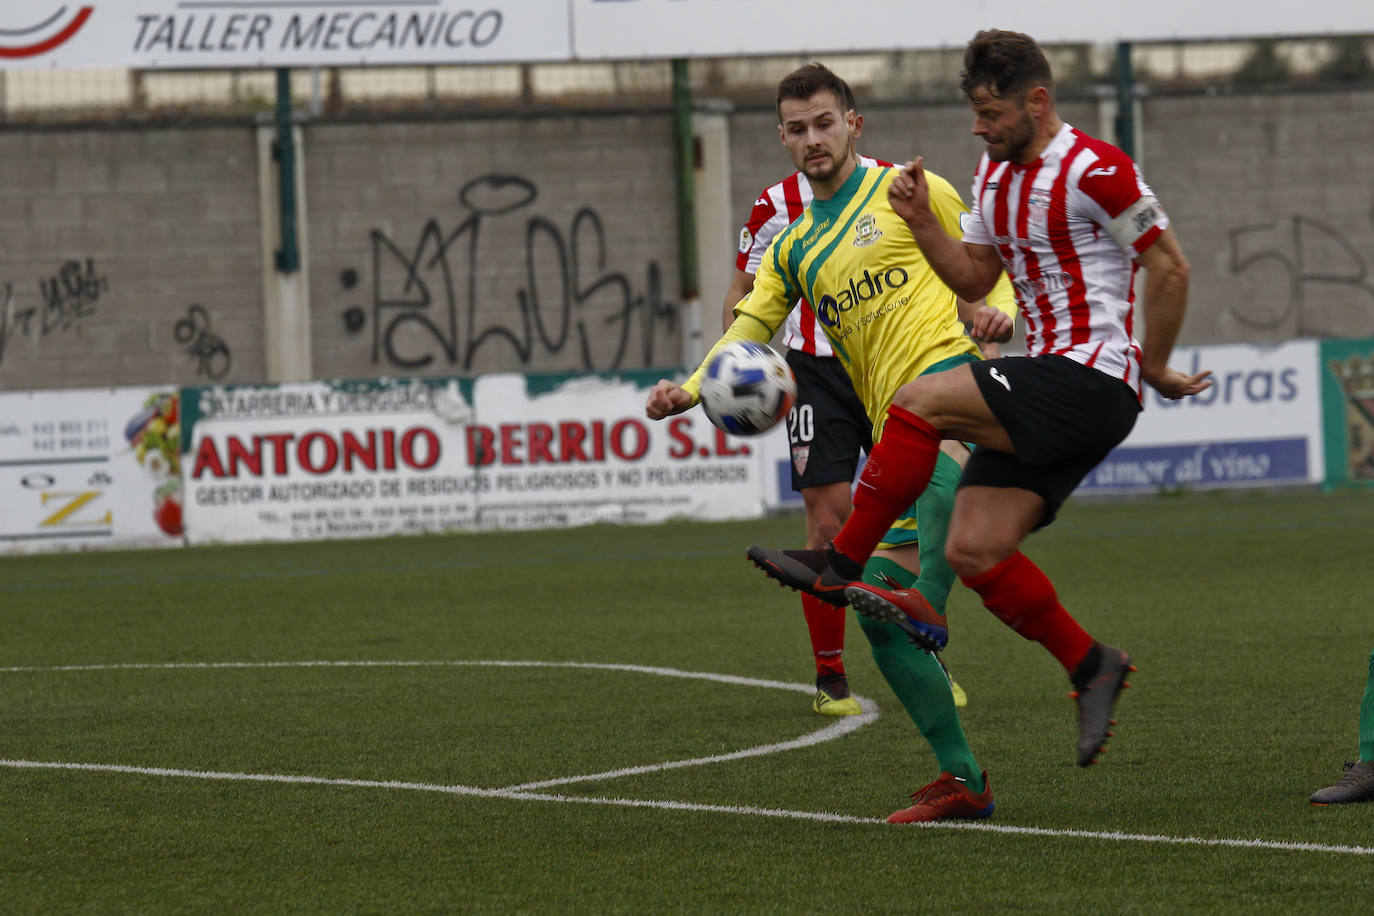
(774, 210)
(1068, 227)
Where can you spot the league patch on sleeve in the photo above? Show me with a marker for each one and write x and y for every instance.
(746, 240)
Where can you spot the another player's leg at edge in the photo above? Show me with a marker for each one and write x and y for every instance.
(1010, 585)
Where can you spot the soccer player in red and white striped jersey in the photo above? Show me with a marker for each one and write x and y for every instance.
(1070, 220)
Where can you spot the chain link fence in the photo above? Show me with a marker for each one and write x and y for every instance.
(161, 95)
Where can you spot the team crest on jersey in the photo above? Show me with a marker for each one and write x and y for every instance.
(746, 240)
(800, 454)
(866, 231)
(1039, 201)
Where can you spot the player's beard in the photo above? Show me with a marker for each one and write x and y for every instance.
(823, 172)
(826, 172)
(1014, 142)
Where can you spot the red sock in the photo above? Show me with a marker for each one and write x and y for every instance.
(1023, 598)
(898, 469)
(826, 623)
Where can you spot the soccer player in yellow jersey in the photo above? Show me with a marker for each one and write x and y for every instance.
(889, 319)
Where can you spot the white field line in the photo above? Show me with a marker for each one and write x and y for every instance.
(747, 810)
(836, 728)
(521, 792)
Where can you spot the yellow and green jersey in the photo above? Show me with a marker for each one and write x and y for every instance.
(883, 308)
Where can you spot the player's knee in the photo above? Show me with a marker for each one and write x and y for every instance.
(912, 397)
(970, 558)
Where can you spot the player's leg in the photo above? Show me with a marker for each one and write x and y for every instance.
(924, 411)
(1067, 418)
(923, 529)
(827, 506)
(898, 471)
(1357, 785)
(827, 429)
(919, 610)
(1367, 716)
(919, 682)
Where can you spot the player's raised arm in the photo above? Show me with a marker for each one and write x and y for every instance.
(1166, 300)
(970, 270)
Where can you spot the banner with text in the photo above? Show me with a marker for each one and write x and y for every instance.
(1259, 424)
(365, 459)
(84, 468)
(221, 34)
(160, 34)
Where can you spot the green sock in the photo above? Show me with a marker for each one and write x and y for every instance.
(1367, 715)
(919, 682)
(933, 509)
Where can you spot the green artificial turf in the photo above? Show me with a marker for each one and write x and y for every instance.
(226, 769)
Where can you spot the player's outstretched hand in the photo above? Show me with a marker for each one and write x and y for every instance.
(991, 324)
(1174, 384)
(665, 399)
(909, 194)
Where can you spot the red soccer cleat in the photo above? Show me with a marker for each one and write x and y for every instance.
(947, 798)
(905, 608)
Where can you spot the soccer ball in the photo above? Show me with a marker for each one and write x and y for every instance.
(747, 389)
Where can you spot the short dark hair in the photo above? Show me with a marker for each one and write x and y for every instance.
(804, 82)
(1005, 64)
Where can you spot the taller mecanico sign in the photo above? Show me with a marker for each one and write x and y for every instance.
(218, 34)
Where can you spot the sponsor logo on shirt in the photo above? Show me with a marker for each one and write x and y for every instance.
(1101, 172)
(746, 240)
(866, 231)
(1034, 287)
(816, 232)
(832, 306)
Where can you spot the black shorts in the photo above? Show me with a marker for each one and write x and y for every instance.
(1063, 418)
(828, 426)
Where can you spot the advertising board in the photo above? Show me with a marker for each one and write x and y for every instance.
(89, 467)
(1259, 424)
(367, 459)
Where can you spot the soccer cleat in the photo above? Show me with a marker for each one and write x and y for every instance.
(960, 697)
(947, 798)
(833, 697)
(1096, 698)
(1357, 785)
(808, 570)
(906, 608)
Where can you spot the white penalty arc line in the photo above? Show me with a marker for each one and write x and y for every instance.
(820, 816)
(838, 728)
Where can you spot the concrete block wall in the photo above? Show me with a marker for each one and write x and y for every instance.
(1273, 200)
(549, 243)
(128, 257)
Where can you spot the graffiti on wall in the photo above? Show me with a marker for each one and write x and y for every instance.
(210, 352)
(68, 297)
(1302, 265)
(427, 303)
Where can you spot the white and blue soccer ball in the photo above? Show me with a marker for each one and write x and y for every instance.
(748, 388)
